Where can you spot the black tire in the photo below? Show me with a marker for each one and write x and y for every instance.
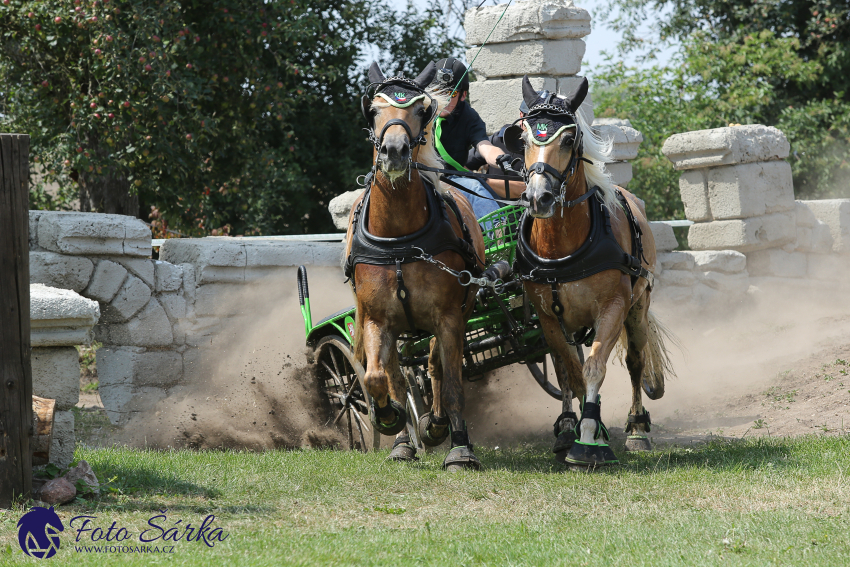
(341, 383)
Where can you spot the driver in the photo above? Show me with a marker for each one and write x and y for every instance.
(459, 128)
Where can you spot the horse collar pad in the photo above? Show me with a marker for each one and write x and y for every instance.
(544, 131)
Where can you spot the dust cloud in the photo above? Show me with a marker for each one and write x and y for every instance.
(250, 384)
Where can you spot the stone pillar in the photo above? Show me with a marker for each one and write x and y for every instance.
(538, 38)
(736, 187)
(626, 141)
(60, 319)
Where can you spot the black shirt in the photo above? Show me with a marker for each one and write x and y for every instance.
(460, 131)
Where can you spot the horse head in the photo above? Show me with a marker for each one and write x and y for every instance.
(398, 115)
(551, 140)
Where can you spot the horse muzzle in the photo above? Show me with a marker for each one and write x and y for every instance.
(538, 198)
(394, 155)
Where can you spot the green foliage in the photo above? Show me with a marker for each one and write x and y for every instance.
(779, 63)
(217, 116)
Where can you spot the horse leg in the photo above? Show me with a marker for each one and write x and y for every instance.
(403, 449)
(638, 424)
(449, 392)
(564, 426)
(591, 449)
(388, 416)
(434, 425)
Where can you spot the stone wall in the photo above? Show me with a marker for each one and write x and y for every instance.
(60, 319)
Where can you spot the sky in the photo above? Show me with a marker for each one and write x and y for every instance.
(600, 39)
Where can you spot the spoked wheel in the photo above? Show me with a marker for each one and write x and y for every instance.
(341, 380)
(418, 403)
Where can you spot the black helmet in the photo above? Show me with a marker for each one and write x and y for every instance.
(452, 73)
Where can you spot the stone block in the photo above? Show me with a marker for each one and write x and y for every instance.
(726, 261)
(57, 270)
(817, 239)
(189, 283)
(726, 146)
(750, 190)
(56, 375)
(821, 238)
(215, 259)
(621, 172)
(142, 268)
(340, 207)
(122, 402)
(828, 267)
(60, 317)
(776, 262)
(535, 19)
(744, 235)
(665, 239)
(540, 57)
(693, 188)
(169, 277)
(682, 278)
(150, 327)
(107, 280)
(805, 216)
(117, 366)
(33, 231)
(676, 261)
(626, 140)
(63, 443)
(129, 300)
(219, 300)
(93, 234)
(266, 257)
(497, 100)
(835, 213)
(174, 305)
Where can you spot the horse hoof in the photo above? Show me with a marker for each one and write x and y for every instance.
(590, 455)
(461, 458)
(564, 442)
(395, 426)
(561, 456)
(403, 451)
(638, 443)
(425, 423)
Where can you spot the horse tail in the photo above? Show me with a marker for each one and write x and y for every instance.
(658, 365)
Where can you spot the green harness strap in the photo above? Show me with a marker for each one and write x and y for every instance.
(438, 131)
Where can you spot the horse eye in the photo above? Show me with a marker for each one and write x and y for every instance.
(421, 111)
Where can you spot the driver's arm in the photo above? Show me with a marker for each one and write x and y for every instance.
(490, 152)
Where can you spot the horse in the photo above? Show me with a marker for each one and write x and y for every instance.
(407, 239)
(586, 256)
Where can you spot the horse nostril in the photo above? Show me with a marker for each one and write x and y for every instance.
(546, 200)
(383, 151)
(405, 151)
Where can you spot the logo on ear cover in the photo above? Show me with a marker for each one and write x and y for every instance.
(400, 97)
(542, 130)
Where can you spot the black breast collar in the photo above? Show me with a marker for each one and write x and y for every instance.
(436, 236)
(600, 251)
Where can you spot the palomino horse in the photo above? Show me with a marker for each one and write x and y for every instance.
(403, 218)
(586, 255)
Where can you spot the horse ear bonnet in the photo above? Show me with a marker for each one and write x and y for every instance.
(427, 75)
(578, 97)
(512, 136)
(529, 93)
(375, 74)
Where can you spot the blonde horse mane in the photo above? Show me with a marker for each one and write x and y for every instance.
(427, 154)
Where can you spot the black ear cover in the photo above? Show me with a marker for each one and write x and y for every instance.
(366, 109)
(426, 77)
(375, 73)
(430, 111)
(513, 139)
(575, 99)
(529, 93)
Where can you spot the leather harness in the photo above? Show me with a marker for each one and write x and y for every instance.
(601, 251)
(435, 237)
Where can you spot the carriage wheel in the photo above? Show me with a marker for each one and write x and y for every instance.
(418, 404)
(341, 381)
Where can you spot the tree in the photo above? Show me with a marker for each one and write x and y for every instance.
(781, 63)
(234, 117)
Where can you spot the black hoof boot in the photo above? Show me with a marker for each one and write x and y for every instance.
(598, 453)
(565, 435)
(403, 450)
(461, 456)
(426, 425)
(636, 440)
(392, 412)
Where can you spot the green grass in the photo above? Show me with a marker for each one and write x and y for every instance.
(753, 502)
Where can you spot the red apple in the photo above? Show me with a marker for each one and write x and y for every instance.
(188, 65)
(127, 104)
(142, 59)
(111, 115)
(38, 27)
(148, 68)
(79, 150)
(57, 19)
(93, 105)
(30, 15)
(96, 115)
(188, 136)
(97, 52)
(45, 84)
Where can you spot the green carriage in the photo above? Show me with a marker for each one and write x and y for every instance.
(502, 330)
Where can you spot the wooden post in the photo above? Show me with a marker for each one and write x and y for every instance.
(16, 425)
